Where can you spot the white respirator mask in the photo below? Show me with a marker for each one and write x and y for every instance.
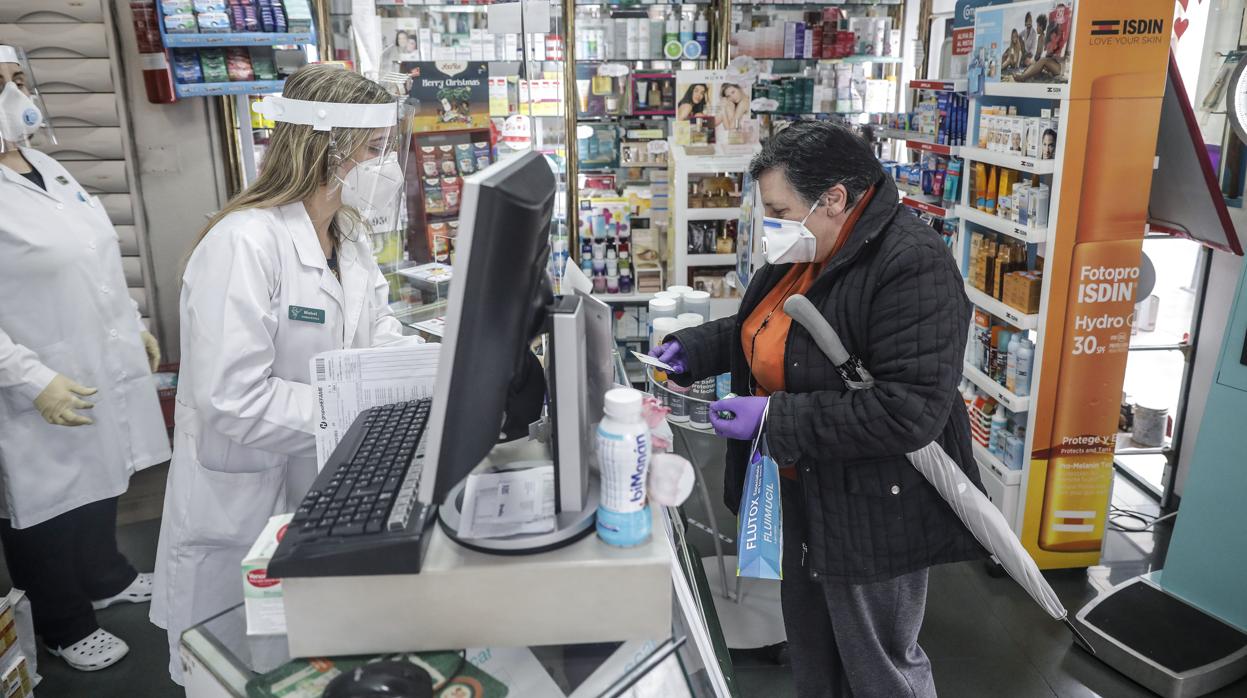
(789, 242)
(372, 186)
(20, 118)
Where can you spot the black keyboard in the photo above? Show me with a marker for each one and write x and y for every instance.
(361, 516)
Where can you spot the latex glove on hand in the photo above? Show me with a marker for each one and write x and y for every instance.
(152, 347)
(671, 353)
(738, 418)
(57, 402)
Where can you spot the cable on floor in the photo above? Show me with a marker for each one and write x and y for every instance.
(1117, 518)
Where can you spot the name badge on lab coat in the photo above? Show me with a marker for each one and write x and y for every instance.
(316, 315)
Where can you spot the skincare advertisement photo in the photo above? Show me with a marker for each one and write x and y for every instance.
(1021, 42)
(712, 108)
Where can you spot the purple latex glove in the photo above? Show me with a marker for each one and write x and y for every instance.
(745, 418)
(671, 353)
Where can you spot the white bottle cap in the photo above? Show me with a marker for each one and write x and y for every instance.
(662, 307)
(679, 290)
(623, 404)
(689, 319)
(663, 326)
(667, 294)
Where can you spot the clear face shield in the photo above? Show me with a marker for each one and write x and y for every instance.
(22, 114)
(368, 149)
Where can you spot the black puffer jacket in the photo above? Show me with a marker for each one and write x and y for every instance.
(895, 297)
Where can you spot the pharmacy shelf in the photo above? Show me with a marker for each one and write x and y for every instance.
(926, 145)
(211, 89)
(1030, 90)
(897, 134)
(996, 391)
(1002, 225)
(925, 207)
(998, 309)
(846, 59)
(939, 85)
(711, 260)
(989, 460)
(224, 39)
(1013, 162)
(712, 214)
(624, 297)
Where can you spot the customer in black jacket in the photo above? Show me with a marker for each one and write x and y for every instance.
(861, 525)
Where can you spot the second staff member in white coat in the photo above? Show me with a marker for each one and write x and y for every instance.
(282, 273)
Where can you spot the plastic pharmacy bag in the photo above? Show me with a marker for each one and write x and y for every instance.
(760, 540)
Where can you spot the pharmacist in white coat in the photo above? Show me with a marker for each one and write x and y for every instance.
(78, 407)
(283, 273)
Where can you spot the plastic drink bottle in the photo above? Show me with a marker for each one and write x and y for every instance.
(623, 450)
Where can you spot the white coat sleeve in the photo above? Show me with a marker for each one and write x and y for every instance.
(231, 280)
(21, 370)
(386, 329)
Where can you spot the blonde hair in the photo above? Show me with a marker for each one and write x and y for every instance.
(298, 160)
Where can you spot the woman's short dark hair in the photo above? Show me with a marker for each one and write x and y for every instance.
(816, 156)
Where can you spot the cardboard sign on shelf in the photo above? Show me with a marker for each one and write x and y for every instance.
(1026, 42)
(449, 95)
(711, 109)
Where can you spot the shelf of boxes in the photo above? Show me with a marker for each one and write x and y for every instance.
(1003, 226)
(1000, 310)
(1014, 162)
(226, 39)
(926, 207)
(939, 85)
(212, 89)
(996, 391)
(987, 459)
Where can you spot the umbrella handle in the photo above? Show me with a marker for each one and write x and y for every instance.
(850, 368)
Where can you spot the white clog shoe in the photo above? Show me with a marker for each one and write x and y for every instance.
(99, 650)
(139, 591)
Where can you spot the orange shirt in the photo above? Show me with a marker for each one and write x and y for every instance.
(764, 334)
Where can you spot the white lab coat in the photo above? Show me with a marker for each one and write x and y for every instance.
(258, 302)
(65, 308)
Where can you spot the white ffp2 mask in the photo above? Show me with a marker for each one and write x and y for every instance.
(19, 115)
(372, 186)
(789, 242)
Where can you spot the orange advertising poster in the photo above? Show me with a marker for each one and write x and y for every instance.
(1109, 125)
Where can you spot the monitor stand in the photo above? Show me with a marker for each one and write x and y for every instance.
(570, 526)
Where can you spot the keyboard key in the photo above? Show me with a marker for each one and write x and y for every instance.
(373, 526)
(348, 529)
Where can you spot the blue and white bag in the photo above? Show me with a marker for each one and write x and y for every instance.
(760, 538)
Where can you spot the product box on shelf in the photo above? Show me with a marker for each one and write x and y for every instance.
(1022, 290)
(653, 94)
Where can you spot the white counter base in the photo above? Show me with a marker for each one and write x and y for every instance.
(585, 592)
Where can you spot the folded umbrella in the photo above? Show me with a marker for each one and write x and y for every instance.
(976, 511)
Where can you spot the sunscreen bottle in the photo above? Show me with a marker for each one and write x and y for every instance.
(990, 202)
(623, 450)
(980, 186)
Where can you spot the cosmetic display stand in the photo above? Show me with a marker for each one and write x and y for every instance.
(680, 261)
(1108, 99)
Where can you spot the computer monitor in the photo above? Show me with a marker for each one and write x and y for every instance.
(497, 300)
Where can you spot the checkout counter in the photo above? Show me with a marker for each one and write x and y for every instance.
(691, 659)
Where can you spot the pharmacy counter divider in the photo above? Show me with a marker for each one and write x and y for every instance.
(689, 658)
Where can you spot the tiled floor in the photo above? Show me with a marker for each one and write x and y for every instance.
(985, 637)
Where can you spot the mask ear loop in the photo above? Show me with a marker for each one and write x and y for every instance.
(334, 162)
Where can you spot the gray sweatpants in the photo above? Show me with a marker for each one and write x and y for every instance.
(850, 640)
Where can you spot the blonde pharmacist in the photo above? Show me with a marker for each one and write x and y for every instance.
(284, 272)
